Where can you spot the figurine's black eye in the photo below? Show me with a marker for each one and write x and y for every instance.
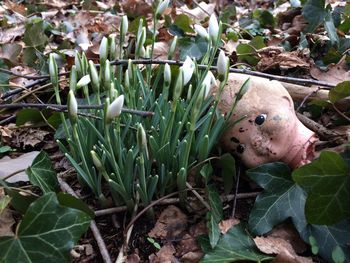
(260, 119)
(240, 148)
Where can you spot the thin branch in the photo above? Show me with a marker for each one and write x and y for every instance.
(101, 244)
(57, 107)
(26, 87)
(304, 82)
(170, 201)
(340, 113)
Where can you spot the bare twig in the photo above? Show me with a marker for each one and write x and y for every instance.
(57, 107)
(101, 244)
(199, 197)
(340, 113)
(170, 201)
(307, 97)
(26, 87)
(305, 82)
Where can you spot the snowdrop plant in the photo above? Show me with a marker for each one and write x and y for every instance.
(140, 156)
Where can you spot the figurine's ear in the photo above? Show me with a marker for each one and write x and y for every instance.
(289, 102)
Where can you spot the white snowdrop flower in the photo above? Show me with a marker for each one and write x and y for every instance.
(124, 26)
(161, 7)
(115, 108)
(84, 81)
(72, 107)
(209, 82)
(188, 68)
(201, 31)
(213, 28)
(96, 160)
(94, 75)
(222, 64)
(103, 49)
(167, 74)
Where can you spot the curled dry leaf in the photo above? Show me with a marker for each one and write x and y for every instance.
(275, 58)
(164, 255)
(6, 223)
(335, 74)
(136, 8)
(170, 224)
(225, 225)
(199, 13)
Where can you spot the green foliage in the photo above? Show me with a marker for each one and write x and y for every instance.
(215, 215)
(235, 245)
(47, 232)
(228, 171)
(282, 199)
(42, 174)
(342, 90)
(327, 181)
(314, 12)
(35, 33)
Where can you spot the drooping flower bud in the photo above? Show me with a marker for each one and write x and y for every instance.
(213, 28)
(201, 31)
(72, 107)
(115, 108)
(141, 138)
(208, 83)
(107, 76)
(222, 65)
(161, 7)
(112, 48)
(103, 50)
(167, 74)
(188, 68)
(140, 41)
(83, 81)
(77, 62)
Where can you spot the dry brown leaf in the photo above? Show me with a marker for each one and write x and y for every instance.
(15, 7)
(137, 8)
(7, 35)
(225, 225)
(161, 50)
(281, 247)
(275, 58)
(27, 137)
(335, 74)
(170, 224)
(187, 244)
(199, 13)
(164, 255)
(6, 223)
(132, 258)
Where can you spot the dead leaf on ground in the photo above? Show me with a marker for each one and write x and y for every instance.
(7, 35)
(28, 137)
(335, 74)
(225, 225)
(137, 8)
(23, 70)
(275, 58)
(199, 13)
(161, 50)
(6, 222)
(281, 247)
(164, 255)
(170, 224)
(133, 258)
(192, 257)
(10, 52)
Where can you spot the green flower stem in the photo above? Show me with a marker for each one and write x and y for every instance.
(82, 155)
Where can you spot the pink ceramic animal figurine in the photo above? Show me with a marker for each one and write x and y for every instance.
(270, 130)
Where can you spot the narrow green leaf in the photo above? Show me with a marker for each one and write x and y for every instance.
(228, 171)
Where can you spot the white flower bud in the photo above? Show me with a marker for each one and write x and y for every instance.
(72, 107)
(223, 64)
(172, 48)
(84, 81)
(77, 62)
(73, 78)
(103, 49)
(213, 28)
(96, 160)
(161, 7)
(115, 108)
(124, 26)
(209, 82)
(53, 69)
(188, 68)
(94, 76)
(201, 31)
(167, 74)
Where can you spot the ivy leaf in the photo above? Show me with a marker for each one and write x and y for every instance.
(215, 216)
(228, 166)
(233, 246)
(193, 48)
(47, 233)
(35, 35)
(330, 28)
(281, 198)
(327, 181)
(340, 91)
(314, 13)
(42, 174)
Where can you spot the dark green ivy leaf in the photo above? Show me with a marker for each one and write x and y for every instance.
(42, 174)
(340, 91)
(314, 12)
(327, 181)
(34, 35)
(235, 245)
(47, 233)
